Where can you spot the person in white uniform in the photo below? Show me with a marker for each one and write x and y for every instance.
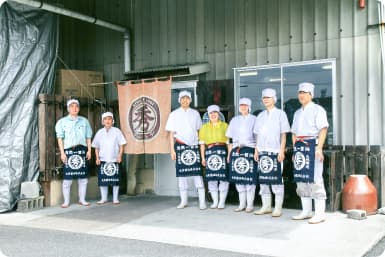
(183, 125)
(271, 128)
(74, 134)
(108, 143)
(310, 122)
(241, 155)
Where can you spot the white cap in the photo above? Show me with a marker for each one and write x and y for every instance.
(107, 114)
(72, 101)
(212, 108)
(184, 93)
(306, 87)
(246, 101)
(269, 92)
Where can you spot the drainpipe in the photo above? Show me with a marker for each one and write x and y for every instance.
(381, 26)
(65, 12)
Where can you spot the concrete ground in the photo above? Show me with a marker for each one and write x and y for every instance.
(155, 219)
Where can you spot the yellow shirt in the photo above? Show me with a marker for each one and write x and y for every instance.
(209, 134)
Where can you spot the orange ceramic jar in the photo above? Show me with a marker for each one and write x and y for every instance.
(359, 193)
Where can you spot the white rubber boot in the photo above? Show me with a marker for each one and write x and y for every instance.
(319, 206)
(306, 209)
(242, 202)
(82, 188)
(250, 200)
(214, 195)
(183, 199)
(115, 195)
(278, 206)
(202, 199)
(222, 199)
(66, 192)
(103, 195)
(266, 205)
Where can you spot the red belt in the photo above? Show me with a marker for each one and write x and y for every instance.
(306, 137)
(303, 138)
(215, 144)
(179, 141)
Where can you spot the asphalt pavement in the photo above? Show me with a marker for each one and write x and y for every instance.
(153, 222)
(34, 242)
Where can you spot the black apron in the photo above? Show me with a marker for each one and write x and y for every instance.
(77, 165)
(188, 160)
(303, 158)
(108, 174)
(216, 166)
(243, 167)
(269, 169)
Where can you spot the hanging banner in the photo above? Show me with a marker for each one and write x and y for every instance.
(144, 108)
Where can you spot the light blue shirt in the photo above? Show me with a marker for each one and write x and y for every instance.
(241, 130)
(269, 127)
(73, 131)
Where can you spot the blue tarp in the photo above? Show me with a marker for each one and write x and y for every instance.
(27, 63)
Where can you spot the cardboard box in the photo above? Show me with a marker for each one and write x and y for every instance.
(80, 83)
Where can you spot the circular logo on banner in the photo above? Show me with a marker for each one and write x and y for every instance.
(299, 161)
(266, 164)
(188, 157)
(241, 165)
(75, 162)
(110, 169)
(144, 118)
(214, 162)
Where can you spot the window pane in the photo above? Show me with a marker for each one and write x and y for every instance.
(320, 75)
(179, 86)
(252, 83)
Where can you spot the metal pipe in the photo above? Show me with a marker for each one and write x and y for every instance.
(127, 51)
(381, 27)
(86, 18)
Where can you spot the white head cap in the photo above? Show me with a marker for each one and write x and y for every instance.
(107, 114)
(246, 101)
(212, 108)
(306, 87)
(269, 92)
(72, 101)
(184, 93)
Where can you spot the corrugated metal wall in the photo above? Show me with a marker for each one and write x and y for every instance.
(236, 33)
(90, 47)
